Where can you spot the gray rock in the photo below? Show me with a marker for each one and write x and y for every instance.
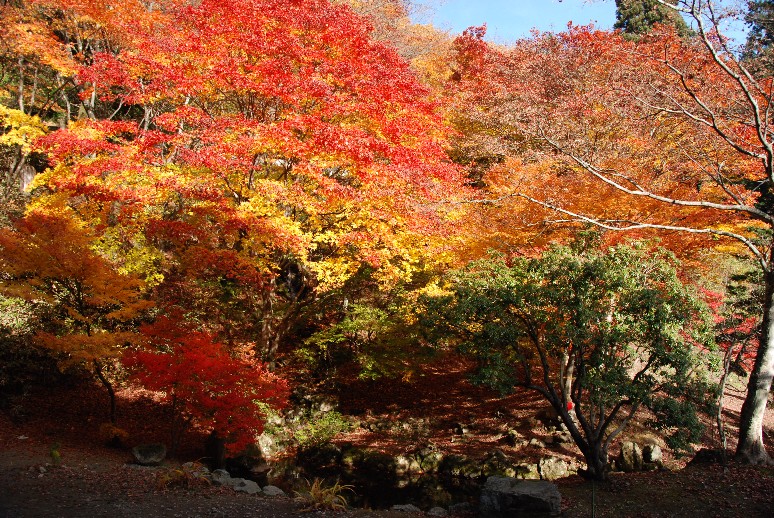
(246, 486)
(149, 454)
(273, 491)
(221, 477)
(652, 453)
(552, 468)
(505, 497)
(438, 511)
(631, 457)
(537, 443)
(406, 508)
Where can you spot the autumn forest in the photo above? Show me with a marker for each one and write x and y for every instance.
(232, 206)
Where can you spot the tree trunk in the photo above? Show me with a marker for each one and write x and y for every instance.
(751, 448)
(596, 461)
(109, 387)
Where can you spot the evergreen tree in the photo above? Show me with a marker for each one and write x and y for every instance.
(637, 17)
(759, 48)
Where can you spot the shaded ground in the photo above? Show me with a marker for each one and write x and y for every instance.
(94, 480)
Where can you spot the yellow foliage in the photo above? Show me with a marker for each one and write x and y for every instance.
(19, 129)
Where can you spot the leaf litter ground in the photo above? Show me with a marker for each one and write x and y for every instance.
(95, 480)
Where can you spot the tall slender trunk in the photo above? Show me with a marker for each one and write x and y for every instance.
(751, 448)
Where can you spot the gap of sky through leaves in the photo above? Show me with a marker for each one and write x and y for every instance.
(509, 20)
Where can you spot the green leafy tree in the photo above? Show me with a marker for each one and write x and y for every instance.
(599, 335)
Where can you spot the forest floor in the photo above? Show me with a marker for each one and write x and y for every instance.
(93, 480)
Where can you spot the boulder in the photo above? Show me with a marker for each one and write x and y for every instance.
(149, 454)
(406, 508)
(221, 477)
(652, 453)
(438, 511)
(505, 497)
(273, 491)
(552, 468)
(245, 486)
(630, 458)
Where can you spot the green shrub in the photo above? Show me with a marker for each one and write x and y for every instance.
(321, 429)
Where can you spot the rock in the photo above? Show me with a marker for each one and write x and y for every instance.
(221, 477)
(631, 457)
(552, 468)
(430, 460)
(406, 508)
(527, 471)
(149, 454)
(438, 511)
(513, 438)
(497, 464)
(246, 486)
(505, 497)
(405, 465)
(652, 453)
(269, 445)
(537, 443)
(563, 438)
(273, 491)
(461, 429)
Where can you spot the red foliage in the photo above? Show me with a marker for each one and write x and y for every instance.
(208, 385)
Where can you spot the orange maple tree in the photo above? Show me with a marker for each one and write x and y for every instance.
(92, 307)
(256, 151)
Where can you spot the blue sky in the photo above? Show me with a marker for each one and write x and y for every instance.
(508, 20)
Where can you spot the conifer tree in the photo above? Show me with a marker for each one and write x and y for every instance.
(637, 17)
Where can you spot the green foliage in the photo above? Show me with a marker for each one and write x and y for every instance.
(637, 17)
(20, 362)
(378, 333)
(620, 321)
(322, 429)
(319, 497)
(760, 38)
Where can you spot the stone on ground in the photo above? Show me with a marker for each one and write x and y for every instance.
(506, 497)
